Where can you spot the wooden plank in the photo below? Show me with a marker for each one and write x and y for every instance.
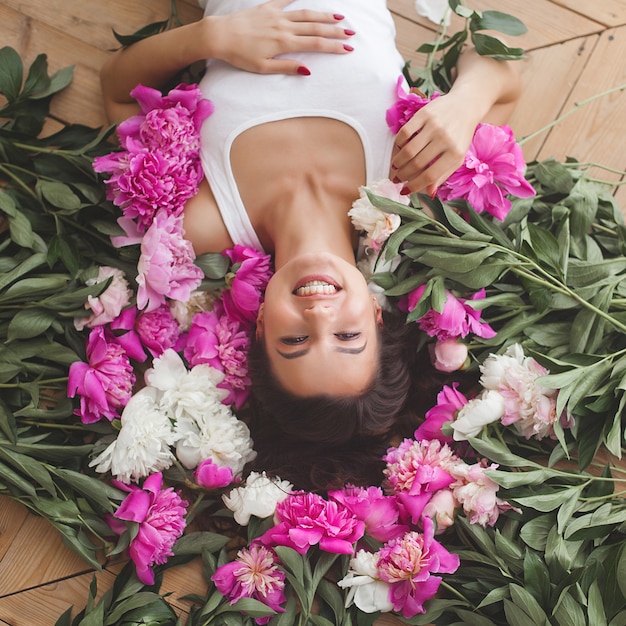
(547, 23)
(548, 77)
(35, 556)
(596, 132)
(607, 12)
(409, 36)
(12, 516)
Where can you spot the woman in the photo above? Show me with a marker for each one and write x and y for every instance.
(300, 97)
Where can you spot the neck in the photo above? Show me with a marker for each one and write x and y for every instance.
(312, 225)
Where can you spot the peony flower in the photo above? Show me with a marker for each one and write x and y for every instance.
(143, 445)
(494, 166)
(379, 512)
(253, 574)
(437, 11)
(211, 476)
(370, 264)
(105, 383)
(306, 519)
(449, 402)
(476, 492)
(406, 106)
(184, 312)
(485, 409)
(440, 509)
(448, 355)
(160, 514)
(249, 274)
(407, 564)
(258, 497)
(123, 327)
(109, 304)
(223, 344)
(458, 319)
(158, 330)
(367, 591)
(377, 224)
(166, 267)
(530, 407)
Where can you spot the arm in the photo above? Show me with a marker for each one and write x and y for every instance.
(249, 39)
(485, 90)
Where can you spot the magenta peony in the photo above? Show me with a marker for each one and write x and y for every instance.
(247, 279)
(210, 475)
(166, 267)
(158, 330)
(494, 166)
(105, 382)
(405, 107)
(160, 514)
(253, 574)
(449, 401)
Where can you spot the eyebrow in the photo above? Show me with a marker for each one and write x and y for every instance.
(299, 353)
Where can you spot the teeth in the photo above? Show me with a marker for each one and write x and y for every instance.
(316, 287)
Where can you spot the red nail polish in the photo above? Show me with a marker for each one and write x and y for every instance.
(405, 191)
(433, 193)
(347, 48)
(396, 180)
(304, 71)
(349, 32)
(338, 16)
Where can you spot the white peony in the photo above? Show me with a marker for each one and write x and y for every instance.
(434, 10)
(369, 593)
(143, 445)
(258, 497)
(377, 224)
(486, 408)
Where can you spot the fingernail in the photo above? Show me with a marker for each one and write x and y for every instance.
(396, 181)
(433, 193)
(338, 16)
(347, 48)
(349, 32)
(405, 191)
(304, 71)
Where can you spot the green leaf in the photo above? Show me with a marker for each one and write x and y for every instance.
(570, 612)
(11, 73)
(29, 264)
(486, 45)
(214, 266)
(595, 606)
(197, 542)
(7, 421)
(29, 323)
(548, 501)
(502, 22)
(58, 194)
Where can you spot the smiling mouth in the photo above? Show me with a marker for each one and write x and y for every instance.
(318, 286)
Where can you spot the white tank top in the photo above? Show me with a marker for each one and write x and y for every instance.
(355, 88)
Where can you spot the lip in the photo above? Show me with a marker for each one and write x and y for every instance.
(321, 277)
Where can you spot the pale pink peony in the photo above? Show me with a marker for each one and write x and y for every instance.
(529, 406)
(458, 319)
(408, 564)
(246, 281)
(379, 512)
(440, 509)
(105, 382)
(405, 107)
(448, 355)
(223, 343)
(307, 519)
(158, 330)
(160, 514)
(476, 492)
(253, 574)
(210, 475)
(109, 304)
(166, 267)
(449, 401)
(494, 166)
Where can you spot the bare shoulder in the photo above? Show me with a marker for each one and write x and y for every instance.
(203, 222)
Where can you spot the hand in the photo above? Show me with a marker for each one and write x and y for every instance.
(433, 144)
(252, 39)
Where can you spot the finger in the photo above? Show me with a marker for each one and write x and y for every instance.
(307, 15)
(317, 29)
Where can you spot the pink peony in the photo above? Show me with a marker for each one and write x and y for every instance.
(458, 319)
(253, 574)
(212, 476)
(108, 305)
(440, 509)
(307, 519)
(158, 330)
(448, 355)
(123, 328)
(160, 514)
(166, 267)
(407, 564)
(494, 166)
(449, 402)
(249, 274)
(378, 511)
(224, 344)
(405, 107)
(105, 383)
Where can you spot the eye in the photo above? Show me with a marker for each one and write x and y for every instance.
(293, 341)
(347, 336)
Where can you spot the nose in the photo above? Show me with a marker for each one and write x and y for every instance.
(319, 310)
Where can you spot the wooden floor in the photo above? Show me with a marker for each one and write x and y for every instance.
(575, 51)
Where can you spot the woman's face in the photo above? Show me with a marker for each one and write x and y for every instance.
(320, 325)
